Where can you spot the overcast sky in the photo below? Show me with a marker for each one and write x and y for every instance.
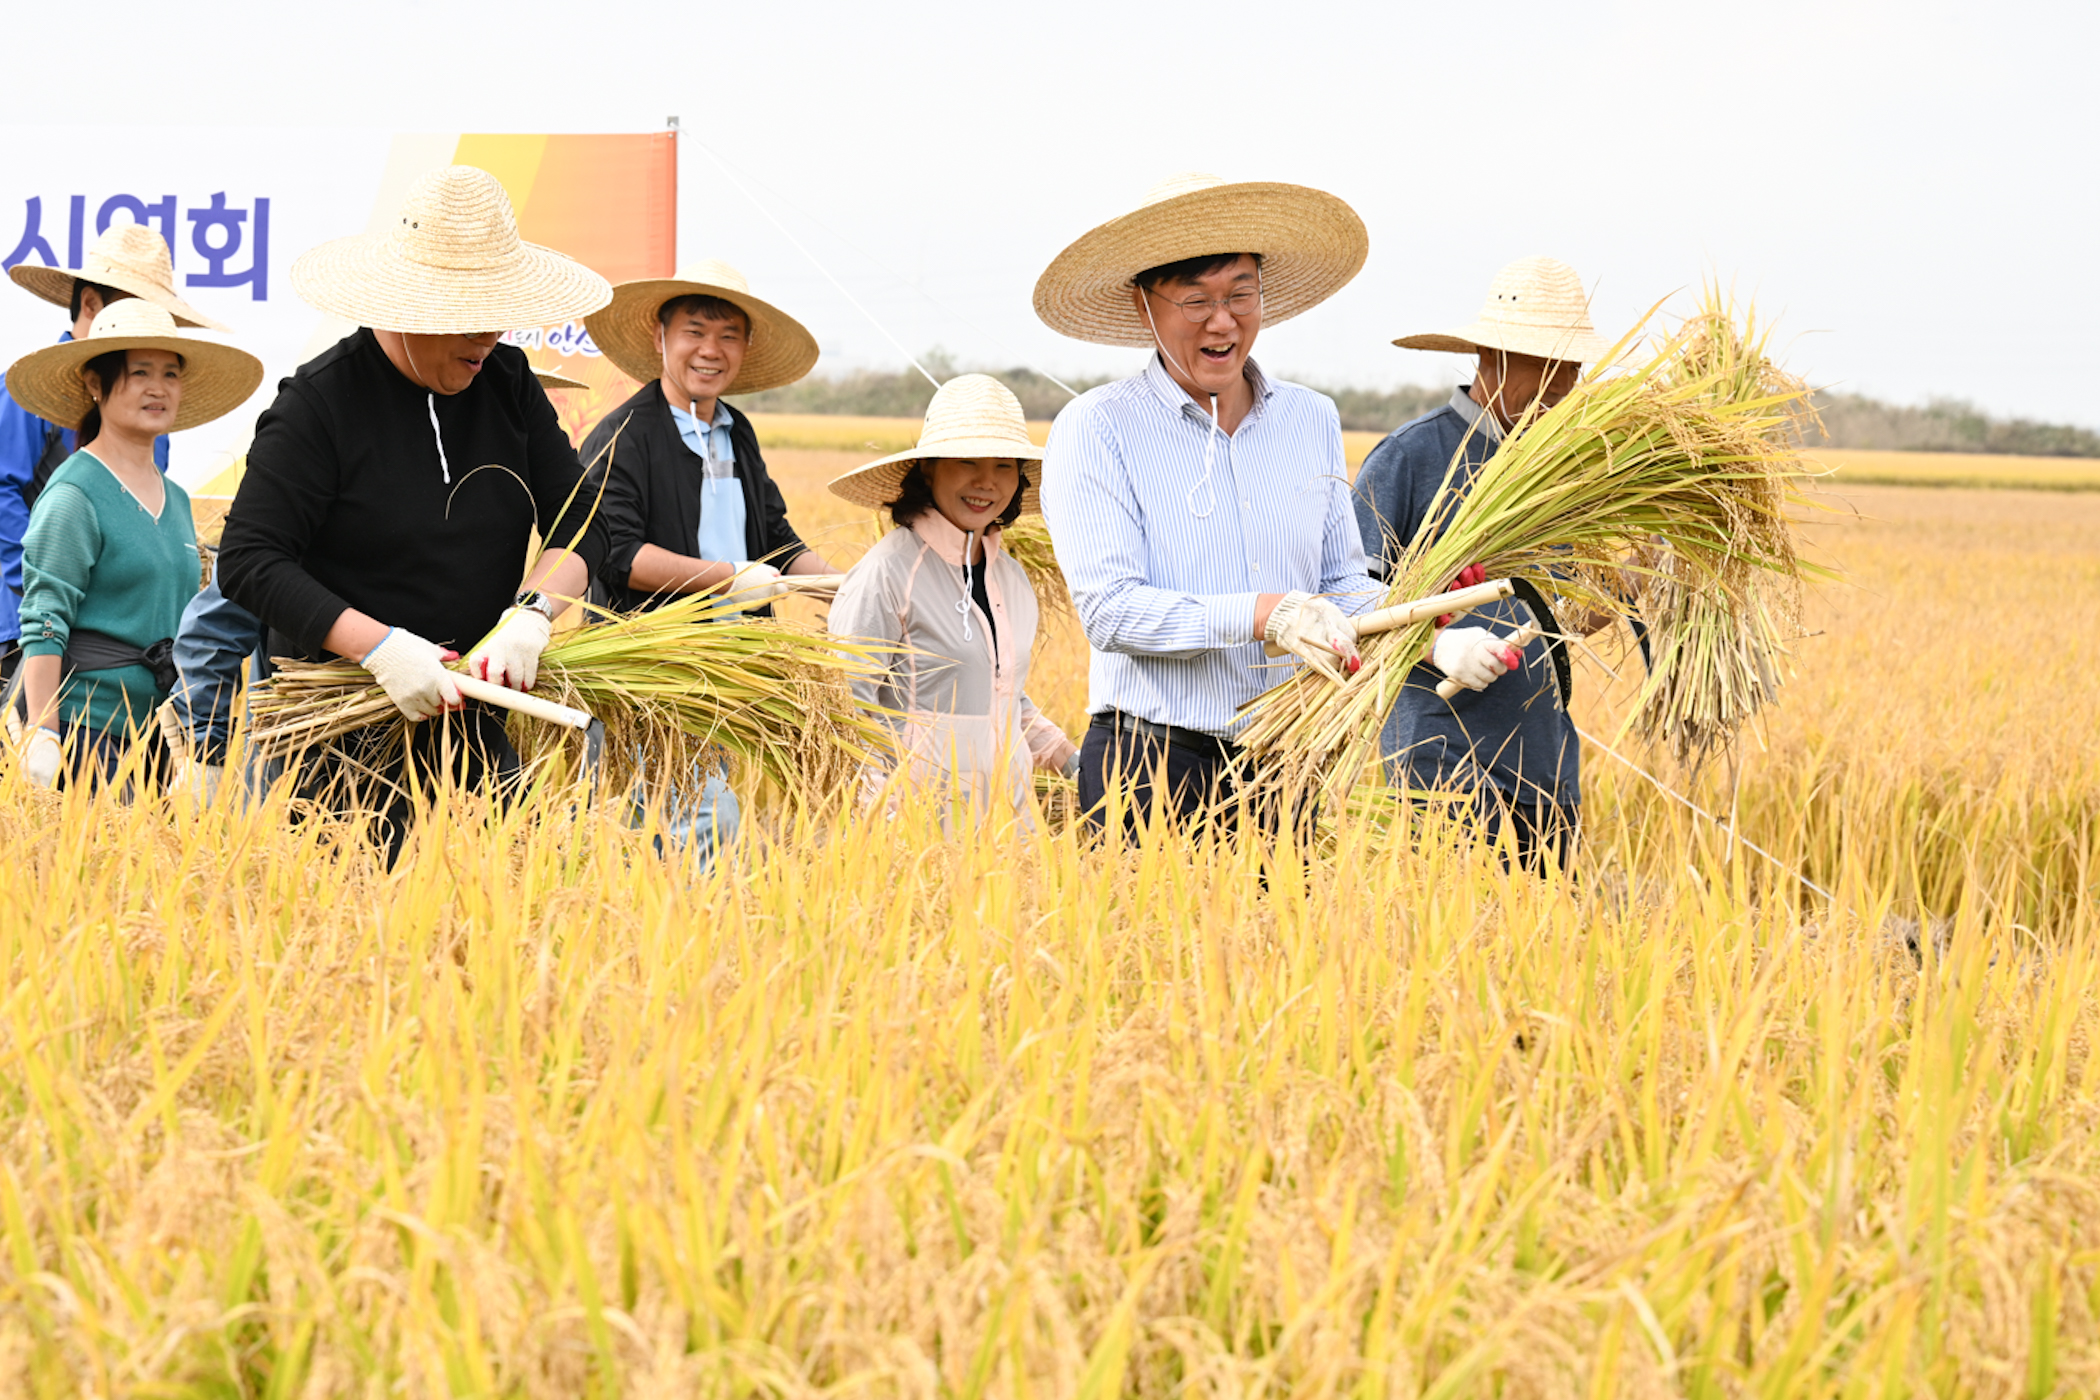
(1908, 187)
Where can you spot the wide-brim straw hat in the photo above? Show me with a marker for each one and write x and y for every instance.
(1536, 306)
(550, 380)
(451, 264)
(216, 378)
(972, 415)
(1311, 244)
(780, 350)
(130, 258)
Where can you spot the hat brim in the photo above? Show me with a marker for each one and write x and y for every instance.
(780, 352)
(216, 378)
(1580, 347)
(363, 279)
(550, 380)
(876, 485)
(55, 285)
(1311, 244)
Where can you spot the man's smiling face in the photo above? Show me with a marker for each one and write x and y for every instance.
(1208, 356)
(701, 355)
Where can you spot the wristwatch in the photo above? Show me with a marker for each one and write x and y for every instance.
(537, 601)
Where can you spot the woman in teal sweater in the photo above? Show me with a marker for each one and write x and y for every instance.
(110, 557)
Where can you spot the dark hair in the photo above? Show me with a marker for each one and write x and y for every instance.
(1190, 269)
(915, 497)
(81, 287)
(707, 308)
(108, 368)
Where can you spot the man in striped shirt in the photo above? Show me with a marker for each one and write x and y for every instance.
(1200, 508)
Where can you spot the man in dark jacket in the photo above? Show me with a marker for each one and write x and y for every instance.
(689, 506)
(1505, 741)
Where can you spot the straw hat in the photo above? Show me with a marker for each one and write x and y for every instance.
(451, 264)
(1536, 307)
(216, 378)
(1311, 244)
(780, 352)
(131, 258)
(972, 415)
(550, 380)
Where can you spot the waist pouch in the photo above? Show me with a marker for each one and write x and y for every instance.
(98, 651)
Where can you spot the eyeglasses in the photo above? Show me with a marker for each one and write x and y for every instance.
(1242, 303)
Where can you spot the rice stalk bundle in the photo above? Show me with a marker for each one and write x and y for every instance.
(690, 681)
(1716, 652)
(1690, 458)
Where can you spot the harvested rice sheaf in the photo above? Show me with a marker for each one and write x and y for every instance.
(1674, 478)
(691, 681)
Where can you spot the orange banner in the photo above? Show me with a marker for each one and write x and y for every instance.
(611, 203)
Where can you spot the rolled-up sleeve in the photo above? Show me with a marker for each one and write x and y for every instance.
(1099, 533)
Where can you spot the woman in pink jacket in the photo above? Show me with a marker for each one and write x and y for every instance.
(961, 611)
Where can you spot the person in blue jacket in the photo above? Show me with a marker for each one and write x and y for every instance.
(1505, 743)
(130, 260)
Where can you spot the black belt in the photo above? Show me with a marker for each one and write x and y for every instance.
(1173, 735)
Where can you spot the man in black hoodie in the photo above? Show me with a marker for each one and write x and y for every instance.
(689, 506)
(395, 484)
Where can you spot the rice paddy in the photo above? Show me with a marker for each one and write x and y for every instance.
(873, 1111)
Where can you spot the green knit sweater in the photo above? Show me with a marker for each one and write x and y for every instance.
(94, 558)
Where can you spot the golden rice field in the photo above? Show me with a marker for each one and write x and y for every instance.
(872, 1111)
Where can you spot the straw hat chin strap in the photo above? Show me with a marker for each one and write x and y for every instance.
(1210, 438)
(429, 401)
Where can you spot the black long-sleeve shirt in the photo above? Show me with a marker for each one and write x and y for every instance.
(653, 494)
(345, 503)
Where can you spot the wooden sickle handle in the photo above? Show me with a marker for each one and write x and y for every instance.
(1520, 639)
(1458, 600)
(489, 693)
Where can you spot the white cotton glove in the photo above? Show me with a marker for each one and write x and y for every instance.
(411, 671)
(510, 655)
(753, 584)
(1316, 630)
(1473, 656)
(42, 759)
(198, 781)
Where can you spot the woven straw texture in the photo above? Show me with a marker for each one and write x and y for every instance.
(780, 350)
(216, 378)
(972, 415)
(550, 380)
(452, 264)
(1536, 306)
(1311, 245)
(131, 258)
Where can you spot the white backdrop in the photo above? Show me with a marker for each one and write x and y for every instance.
(296, 187)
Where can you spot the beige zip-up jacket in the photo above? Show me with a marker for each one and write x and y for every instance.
(966, 717)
